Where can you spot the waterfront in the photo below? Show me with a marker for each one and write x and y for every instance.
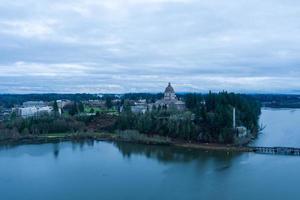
(282, 128)
(102, 170)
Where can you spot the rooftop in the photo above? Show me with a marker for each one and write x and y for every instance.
(169, 89)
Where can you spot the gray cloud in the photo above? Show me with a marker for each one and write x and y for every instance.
(140, 45)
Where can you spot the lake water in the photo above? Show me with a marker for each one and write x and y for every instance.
(117, 171)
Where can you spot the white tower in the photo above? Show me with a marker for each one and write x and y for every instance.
(234, 119)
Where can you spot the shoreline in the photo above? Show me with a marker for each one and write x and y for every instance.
(56, 138)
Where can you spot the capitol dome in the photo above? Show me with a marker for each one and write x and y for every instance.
(170, 100)
(169, 94)
(169, 89)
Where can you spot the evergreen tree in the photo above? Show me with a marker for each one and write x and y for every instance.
(80, 107)
(74, 109)
(55, 107)
(108, 102)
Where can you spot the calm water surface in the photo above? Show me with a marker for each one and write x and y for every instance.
(111, 171)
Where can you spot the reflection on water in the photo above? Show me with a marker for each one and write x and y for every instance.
(56, 149)
(169, 154)
(80, 144)
(103, 170)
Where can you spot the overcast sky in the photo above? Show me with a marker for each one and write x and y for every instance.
(121, 46)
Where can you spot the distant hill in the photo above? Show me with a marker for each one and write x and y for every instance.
(267, 100)
(278, 100)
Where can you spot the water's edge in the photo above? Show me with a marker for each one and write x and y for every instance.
(111, 137)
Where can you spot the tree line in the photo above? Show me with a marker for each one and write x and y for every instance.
(207, 118)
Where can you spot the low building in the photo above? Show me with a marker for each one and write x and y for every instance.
(33, 111)
(140, 106)
(34, 104)
(5, 113)
(241, 131)
(95, 103)
(62, 103)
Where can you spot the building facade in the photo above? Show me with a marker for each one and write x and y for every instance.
(33, 111)
(170, 100)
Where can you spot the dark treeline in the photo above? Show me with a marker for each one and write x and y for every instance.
(9, 100)
(267, 100)
(47, 124)
(170, 154)
(278, 100)
(208, 118)
(148, 96)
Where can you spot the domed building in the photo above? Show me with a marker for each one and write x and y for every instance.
(170, 100)
(169, 93)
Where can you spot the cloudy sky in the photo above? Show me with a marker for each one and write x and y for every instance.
(121, 46)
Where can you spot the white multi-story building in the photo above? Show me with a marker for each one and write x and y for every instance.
(140, 107)
(33, 108)
(33, 111)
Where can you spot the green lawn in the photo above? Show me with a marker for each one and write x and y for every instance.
(87, 109)
(60, 135)
(55, 135)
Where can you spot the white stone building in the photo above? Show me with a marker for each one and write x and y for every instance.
(33, 111)
(33, 108)
(170, 100)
